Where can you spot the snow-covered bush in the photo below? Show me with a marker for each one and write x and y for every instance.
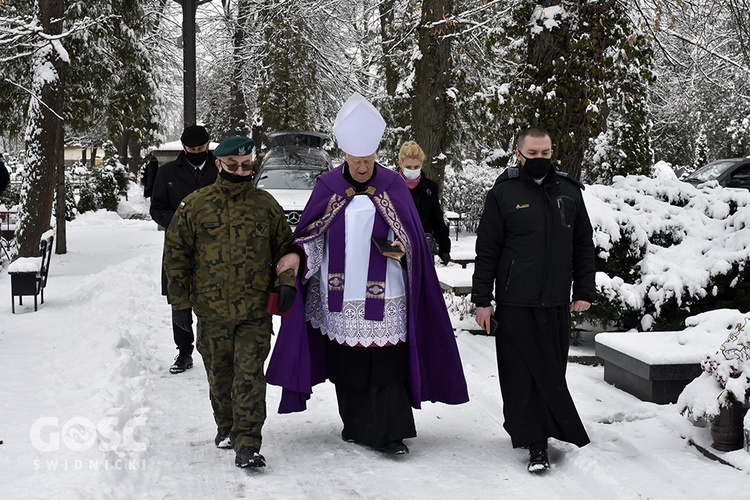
(725, 378)
(11, 196)
(464, 191)
(70, 202)
(667, 250)
(99, 190)
(102, 184)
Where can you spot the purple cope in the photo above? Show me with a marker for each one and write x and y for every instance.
(298, 361)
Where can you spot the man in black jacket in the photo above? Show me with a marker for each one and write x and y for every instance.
(533, 240)
(4, 175)
(193, 169)
(149, 176)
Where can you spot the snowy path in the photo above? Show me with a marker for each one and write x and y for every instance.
(99, 349)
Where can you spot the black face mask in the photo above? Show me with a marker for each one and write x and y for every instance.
(235, 178)
(197, 159)
(536, 168)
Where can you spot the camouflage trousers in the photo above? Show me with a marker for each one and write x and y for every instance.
(234, 354)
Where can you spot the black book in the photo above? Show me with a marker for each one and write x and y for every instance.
(384, 246)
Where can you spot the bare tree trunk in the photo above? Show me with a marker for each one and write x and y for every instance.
(122, 146)
(43, 134)
(134, 149)
(238, 109)
(61, 240)
(432, 107)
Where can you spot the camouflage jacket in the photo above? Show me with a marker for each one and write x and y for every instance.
(221, 249)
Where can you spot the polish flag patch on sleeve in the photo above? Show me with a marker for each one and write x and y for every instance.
(182, 204)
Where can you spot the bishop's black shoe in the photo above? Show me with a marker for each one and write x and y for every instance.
(396, 447)
(249, 457)
(538, 460)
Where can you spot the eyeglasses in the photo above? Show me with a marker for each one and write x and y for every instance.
(232, 167)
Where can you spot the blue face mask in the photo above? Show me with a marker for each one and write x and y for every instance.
(536, 168)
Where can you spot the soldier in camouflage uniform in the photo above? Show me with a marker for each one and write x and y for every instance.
(220, 252)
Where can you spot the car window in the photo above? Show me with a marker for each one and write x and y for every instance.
(710, 172)
(740, 178)
(292, 178)
(296, 159)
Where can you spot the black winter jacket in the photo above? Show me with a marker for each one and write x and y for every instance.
(174, 181)
(425, 196)
(4, 177)
(532, 241)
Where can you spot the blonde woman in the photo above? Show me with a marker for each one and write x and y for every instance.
(425, 195)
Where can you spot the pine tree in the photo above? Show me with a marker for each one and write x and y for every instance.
(286, 100)
(478, 130)
(135, 101)
(624, 144)
(564, 77)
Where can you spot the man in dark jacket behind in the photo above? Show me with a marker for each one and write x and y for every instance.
(193, 169)
(4, 175)
(149, 176)
(533, 239)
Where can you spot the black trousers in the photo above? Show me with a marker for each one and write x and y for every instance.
(372, 393)
(532, 354)
(183, 339)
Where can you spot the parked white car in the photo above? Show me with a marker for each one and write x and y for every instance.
(290, 169)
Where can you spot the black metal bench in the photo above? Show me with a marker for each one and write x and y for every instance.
(28, 275)
(455, 221)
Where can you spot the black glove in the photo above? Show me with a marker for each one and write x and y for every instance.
(183, 319)
(286, 297)
(445, 258)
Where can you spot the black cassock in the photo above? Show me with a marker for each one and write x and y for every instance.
(372, 392)
(532, 354)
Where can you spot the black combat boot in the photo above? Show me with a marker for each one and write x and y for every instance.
(222, 438)
(249, 457)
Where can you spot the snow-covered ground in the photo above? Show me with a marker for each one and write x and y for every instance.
(89, 410)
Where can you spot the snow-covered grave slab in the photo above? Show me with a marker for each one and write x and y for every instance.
(463, 257)
(655, 366)
(454, 279)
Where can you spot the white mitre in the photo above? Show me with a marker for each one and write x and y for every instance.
(358, 127)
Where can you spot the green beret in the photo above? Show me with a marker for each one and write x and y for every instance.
(236, 145)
